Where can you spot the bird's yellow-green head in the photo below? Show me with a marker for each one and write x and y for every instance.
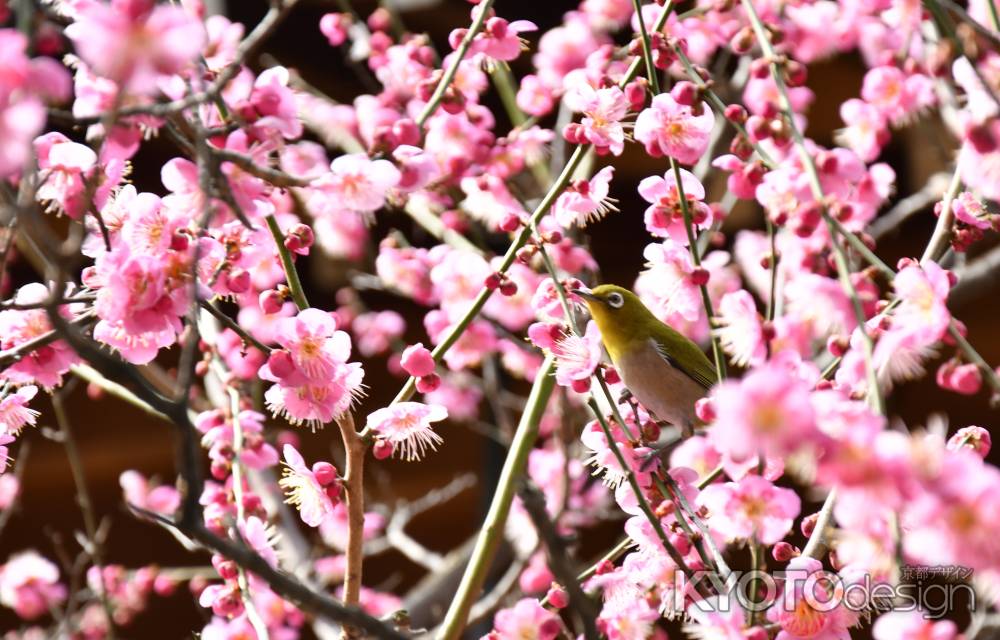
(623, 319)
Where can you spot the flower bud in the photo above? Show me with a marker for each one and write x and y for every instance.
(300, 237)
(508, 287)
(581, 386)
(382, 449)
(511, 222)
(164, 586)
(406, 131)
(380, 20)
(492, 281)
(756, 633)
(705, 410)
(635, 93)
(685, 93)
(972, 437)
(837, 345)
(334, 27)
(179, 241)
(795, 73)
(650, 431)
(280, 363)
(758, 128)
(809, 524)
(736, 113)
(742, 42)
(700, 276)
(227, 569)
(573, 133)
(557, 596)
(325, 472)
(238, 280)
(417, 361)
(270, 301)
(611, 375)
(428, 383)
(783, 552)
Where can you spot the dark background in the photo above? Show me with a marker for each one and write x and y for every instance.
(114, 437)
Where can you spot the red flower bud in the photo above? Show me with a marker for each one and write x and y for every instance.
(557, 596)
(783, 552)
(428, 383)
(270, 301)
(508, 287)
(325, 472)
(382, 449)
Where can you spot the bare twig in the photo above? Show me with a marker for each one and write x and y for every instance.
(582, 606)
(354, 451)
(906, 208)
(395, 530)
(975, 275)
(281, 583)
(94, 546)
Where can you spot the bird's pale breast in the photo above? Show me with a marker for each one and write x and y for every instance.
(661, 388)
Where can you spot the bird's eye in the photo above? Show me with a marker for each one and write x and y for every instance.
(616, 300)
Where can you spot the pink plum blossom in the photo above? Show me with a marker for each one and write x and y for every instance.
(577, 357)
(905, 625)
(67, 166)
(14, 411)
(45, 366)
(603, 111)
(304, 490)
(741, 333)
(768, 410)
(585, 201)
(358, 183)
(315, 383)
(406, 426)
(29, 584)
(866, 132)
(161, 499)
(526, 620)
(666, 285)
(801, 617)
(499, 40)
(667, 128)
(752, 508)
(665, 217)
(895, 94)
(135, 42)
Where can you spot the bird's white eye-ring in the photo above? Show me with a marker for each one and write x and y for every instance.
(616, 300)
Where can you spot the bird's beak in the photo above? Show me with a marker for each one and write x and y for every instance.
(585, 294)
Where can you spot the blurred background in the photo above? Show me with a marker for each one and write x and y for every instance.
(113, 437)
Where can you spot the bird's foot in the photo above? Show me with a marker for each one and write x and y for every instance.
(625, 396)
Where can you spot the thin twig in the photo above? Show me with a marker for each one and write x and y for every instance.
(582, 606)
(94, 546)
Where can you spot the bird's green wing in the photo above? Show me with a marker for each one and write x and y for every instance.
(687, 357)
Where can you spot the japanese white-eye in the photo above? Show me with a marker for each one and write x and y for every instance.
(665, 371)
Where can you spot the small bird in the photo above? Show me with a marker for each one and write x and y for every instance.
(666, 372)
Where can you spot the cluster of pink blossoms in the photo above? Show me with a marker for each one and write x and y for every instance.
(197, 280)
